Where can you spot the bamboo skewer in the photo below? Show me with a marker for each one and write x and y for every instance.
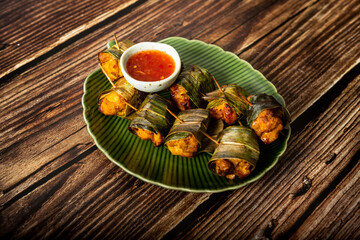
(173, 114)
(247, 101)
(209, 137)
(181, 121)
(114, 87)
(128, 104)
(116, 41)
(108, 78)
(218, 85)
(118, 47)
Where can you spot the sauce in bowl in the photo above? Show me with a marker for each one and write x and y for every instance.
(150, 65)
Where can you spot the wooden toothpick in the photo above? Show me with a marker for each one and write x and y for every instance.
(243, 97)
(131, 106)
(218, 85)
(174, 115)
(247, 101)
(108, 78)
(116, 41)
(209, 137)
(181, 121)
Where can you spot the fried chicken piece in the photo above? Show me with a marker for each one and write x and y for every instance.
(268, 125)
(243, 169)
(110, 65)
(112, 104)
(225, 168)
(144, 134)
(186, 147)
(180, 97)
(225, 112)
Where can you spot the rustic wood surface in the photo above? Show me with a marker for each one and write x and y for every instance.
(56, 184)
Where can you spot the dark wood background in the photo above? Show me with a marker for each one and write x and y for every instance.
(55, 183)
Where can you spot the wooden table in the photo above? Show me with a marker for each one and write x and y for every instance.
(55, 182)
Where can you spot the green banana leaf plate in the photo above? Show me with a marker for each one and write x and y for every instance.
(156, 165)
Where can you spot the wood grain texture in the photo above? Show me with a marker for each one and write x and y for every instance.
(55, 183)
(270, 207)
(44, 25)
(41, 117)
(310, 52)
(340, 212)
(53, 112)
(93, 198)
(47, 131)
(239, 29)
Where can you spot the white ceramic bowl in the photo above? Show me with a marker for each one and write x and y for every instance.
(153, 86)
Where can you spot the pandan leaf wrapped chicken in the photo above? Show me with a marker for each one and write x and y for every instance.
(110, 59)
(152, 121)
(228, 103)
(267, 117)
(192, 83)
(185, 136)
(237, 153)
(115, 101)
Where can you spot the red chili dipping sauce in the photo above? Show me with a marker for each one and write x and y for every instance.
(150, 65)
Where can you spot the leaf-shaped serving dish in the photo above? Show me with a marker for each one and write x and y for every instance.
(157, 165)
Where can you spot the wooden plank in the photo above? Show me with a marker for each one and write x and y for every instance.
(68, 26)
(44, 25)
(211, 26)
(33, 123)
(270, 207)
(86, 197)
(239, 30)
(25, 125)
(53, 106)
(49, 160)
(338, 215)
(310, 52)
(40, 141)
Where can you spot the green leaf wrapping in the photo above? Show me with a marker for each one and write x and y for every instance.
(197, 81)
(214, 103)
(117, 52)
(130, 95)
(216, 126)
(261, 102)
(153, 115)
(236, 142)
(233, 94)
(194, 121)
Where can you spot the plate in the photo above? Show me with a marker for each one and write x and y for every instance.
(156, 165)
